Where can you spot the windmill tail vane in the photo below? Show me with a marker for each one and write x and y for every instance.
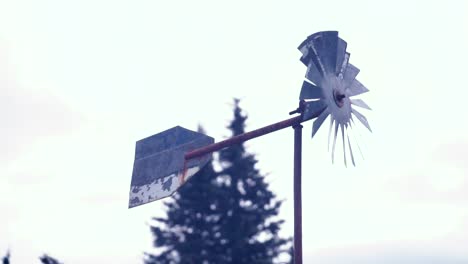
(330, 86)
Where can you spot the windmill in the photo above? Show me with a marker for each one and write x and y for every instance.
(165, 161)
(330, 83)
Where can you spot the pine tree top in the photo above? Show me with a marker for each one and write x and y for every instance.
(223, 216)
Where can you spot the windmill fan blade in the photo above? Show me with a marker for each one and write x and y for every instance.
(356, 139)
(360, 103)
(350, 74)
(313, 109)
(313, 74)
(341, 55)
(344, 65)
(319, 121)
(320, 48)
(329, 132)
(310, 91)
(334, 142)
(356, 88)
(324, 44)
(362, 118)
(350, 149)
(344, 145)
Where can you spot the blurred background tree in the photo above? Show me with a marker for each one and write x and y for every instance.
(221, 216)
(46, 259)
(6, 258)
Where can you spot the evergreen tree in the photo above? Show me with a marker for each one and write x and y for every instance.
(6, 258)
(46, 259)
(222, 217)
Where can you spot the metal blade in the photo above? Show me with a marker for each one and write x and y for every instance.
(360, 103)
(324, 46)
(344, 65)
(350, 148)
(341, 55)
(350, 74)
(329, 132)
(310, 91)
(313, 74)
(334, 142)
(356, 138)
(356, 88)
(361, 118)
(304, 49)
(319, 121)
(344, 145)
(313, 109)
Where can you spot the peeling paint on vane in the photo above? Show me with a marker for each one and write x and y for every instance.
(159, 188)
(166, 186)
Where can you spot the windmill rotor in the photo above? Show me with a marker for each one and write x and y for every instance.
(330, 86)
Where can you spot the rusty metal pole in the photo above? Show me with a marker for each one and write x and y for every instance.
(297, 193)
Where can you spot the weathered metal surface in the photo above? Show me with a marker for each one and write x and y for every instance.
(356, 88)
(160, 167)
(360, 103)
(349, 75)
(321, 49)
(310, 91)
(313, 74)
(341, 56)
(362, 118)
(313, 109)
(319, 121)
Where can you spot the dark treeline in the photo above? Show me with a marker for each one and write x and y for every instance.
(45, 259)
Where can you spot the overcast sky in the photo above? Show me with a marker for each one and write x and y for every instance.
(81, 81)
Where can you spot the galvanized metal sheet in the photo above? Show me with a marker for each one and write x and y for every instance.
(344, 65)
(310, 91)
(160, 167)
(350, 75)
(313, 74)
(360, 103)
(334, 141)
(313, 108)
(344, 143)
(341, 55)
(324, 46)
(362, 118)
(356, 88)
(350, 148)
(319, 121)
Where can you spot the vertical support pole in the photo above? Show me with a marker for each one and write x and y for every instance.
(297, 194)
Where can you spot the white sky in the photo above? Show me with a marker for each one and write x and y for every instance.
(81, 81)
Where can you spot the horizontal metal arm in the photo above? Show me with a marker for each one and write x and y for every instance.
(243, 137)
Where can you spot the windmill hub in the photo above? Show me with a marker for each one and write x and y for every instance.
(339, 98)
